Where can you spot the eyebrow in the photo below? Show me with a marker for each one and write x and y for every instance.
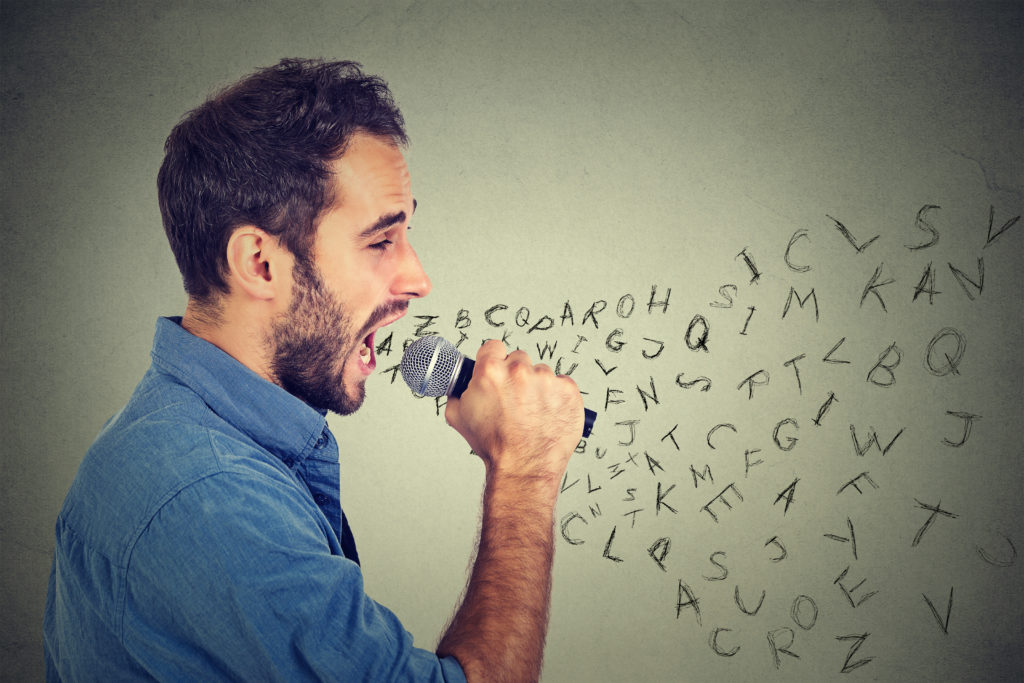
(385, 222)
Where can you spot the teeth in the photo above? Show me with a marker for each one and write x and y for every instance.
(364, 352)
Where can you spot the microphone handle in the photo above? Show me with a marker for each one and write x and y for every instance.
(588, 421)
(466, 373)
(462, 379)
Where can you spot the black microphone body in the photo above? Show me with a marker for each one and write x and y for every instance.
(432, 366)
(462, 378)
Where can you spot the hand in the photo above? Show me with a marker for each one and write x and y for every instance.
(524, 422)
(520, 418)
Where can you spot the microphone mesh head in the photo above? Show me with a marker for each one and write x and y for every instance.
(429, 364)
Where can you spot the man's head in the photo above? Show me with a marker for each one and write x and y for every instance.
(260, 153)
(286, 200)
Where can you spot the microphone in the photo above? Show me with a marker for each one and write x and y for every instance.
(432, 366)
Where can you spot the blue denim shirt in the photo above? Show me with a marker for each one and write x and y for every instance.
(203, 539)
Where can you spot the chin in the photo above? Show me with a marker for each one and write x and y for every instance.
(349, 401)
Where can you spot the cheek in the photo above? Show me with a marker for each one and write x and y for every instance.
(372, 289)
(361, 286)
(359, 302)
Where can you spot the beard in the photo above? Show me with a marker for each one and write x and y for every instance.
(312, 342)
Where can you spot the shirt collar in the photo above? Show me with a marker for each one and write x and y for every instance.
(279, 422)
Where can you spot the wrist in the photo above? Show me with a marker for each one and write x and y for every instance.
(523, 491)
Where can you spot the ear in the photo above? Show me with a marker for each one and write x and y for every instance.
(258, 263)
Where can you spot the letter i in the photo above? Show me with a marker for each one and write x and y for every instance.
(749, 316)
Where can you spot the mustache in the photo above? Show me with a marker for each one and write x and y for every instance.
(383, 313)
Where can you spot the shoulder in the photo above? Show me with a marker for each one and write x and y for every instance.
(146, 456)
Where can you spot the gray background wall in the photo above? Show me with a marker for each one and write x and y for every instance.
(578, 156)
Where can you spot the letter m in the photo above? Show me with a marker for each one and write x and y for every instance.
(703, 477)
(789, 301)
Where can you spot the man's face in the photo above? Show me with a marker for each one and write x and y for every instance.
(361, 276)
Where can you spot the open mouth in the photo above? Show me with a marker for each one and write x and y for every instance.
(366, 352)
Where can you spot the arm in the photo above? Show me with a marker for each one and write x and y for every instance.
(524, 422)
(235, 577)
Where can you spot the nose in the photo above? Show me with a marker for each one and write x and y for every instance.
(411, 280)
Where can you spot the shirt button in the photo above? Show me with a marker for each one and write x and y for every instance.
(321, 442)
(320, 499)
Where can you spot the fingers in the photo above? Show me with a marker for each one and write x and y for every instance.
(493, 352)
(495, 367)
(513, 405)
(492, 348)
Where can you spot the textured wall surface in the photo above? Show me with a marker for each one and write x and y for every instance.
(776, 244)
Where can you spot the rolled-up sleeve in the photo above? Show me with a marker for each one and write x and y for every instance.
(235, 578)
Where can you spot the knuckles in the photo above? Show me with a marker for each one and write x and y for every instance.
(514, 406)
(497, 372)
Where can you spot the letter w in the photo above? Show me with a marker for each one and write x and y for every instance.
(872, 441)
(548, 350)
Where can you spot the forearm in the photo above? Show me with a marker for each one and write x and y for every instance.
(525, 422)
(498, 632)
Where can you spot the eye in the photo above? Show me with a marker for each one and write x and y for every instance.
(382, 245)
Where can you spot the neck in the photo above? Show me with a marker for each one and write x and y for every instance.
(240, 336)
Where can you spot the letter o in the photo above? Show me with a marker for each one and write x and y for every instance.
(619, 308)
(795, 611)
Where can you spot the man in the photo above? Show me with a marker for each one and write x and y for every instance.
(203, 537)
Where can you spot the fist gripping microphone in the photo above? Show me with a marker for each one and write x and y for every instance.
(432, 366)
